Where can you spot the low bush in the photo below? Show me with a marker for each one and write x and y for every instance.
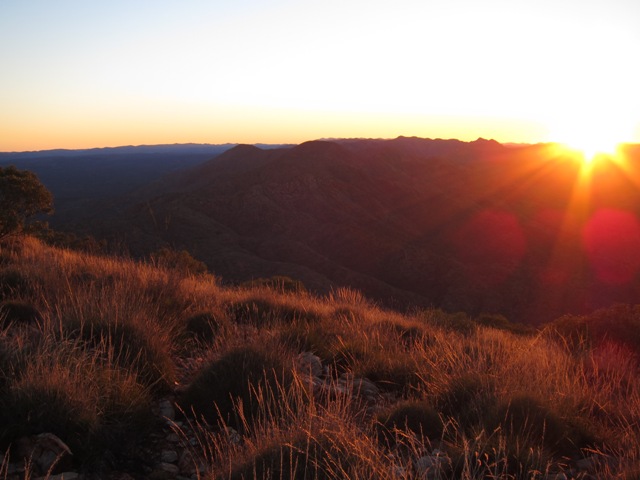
(14, 284)
(458, 322)
(415, 416)
(205, 325)
(265, 311)
(233, 380)
(619, 323)
(467, 399)
(132, 345)
(500, 322)
(91, 407)
(16, 312)
(527, 419)
(280, 284)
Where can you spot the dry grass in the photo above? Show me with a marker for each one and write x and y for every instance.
(114, 335)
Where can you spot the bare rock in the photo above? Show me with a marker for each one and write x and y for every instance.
(308, 363)
(167, 409)
(169, 468)
(432, 466)
(47, 452)
(169, 456)
(61, 476)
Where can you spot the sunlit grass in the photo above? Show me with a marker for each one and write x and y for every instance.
(116, 335)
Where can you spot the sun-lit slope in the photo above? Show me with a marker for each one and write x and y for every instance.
(472, 226)
(90, 347)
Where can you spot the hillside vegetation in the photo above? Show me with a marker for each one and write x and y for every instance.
(268, 381)
(471, 226)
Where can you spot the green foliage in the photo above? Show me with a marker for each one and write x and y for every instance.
(236, 377)
(180, 260)
(22, 196)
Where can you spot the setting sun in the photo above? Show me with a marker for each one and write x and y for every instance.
(594, 133)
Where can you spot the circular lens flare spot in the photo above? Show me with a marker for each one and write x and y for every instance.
(611, 239)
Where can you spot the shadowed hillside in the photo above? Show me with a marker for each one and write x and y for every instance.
(476, 226)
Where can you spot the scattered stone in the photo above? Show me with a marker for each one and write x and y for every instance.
(47, 452)
(167, 410)
(432, 466)
(556, 476)
(308, 363)
(169, 456)
(173, 438)
(234, 436)
(61, 476)
(169, 468)
(399, 472)
(593, 463)
(364, 387)
(15, 469)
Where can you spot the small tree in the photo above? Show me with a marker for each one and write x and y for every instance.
(21, 197)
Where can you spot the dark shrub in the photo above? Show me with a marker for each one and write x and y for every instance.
(13, 283)
(415, 416)
(282, 461)
(525, 417)
(118, 418)
(280, 284)
(262, 311)
(134, 348)
(236, 376)
(30, 410)
(466, 399)
(317, 457)
(179, 260)
(14, 312)
(204, 326)
(453, 322)
(619, 323)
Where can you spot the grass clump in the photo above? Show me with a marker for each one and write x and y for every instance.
(234, 379)
(64, 390)
(131, 345)
(205, 325)
(467, 399)
(13, 283)
(278, 283)
(264, 310)
(525, 417)
(17, 312)
(417, 417)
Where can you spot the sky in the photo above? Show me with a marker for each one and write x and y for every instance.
(81, 74)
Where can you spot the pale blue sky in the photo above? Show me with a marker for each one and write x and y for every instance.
(85, 73)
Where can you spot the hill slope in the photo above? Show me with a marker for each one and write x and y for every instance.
(472, 226)
(99, 352)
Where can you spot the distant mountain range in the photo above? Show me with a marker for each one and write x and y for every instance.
(473, 226)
